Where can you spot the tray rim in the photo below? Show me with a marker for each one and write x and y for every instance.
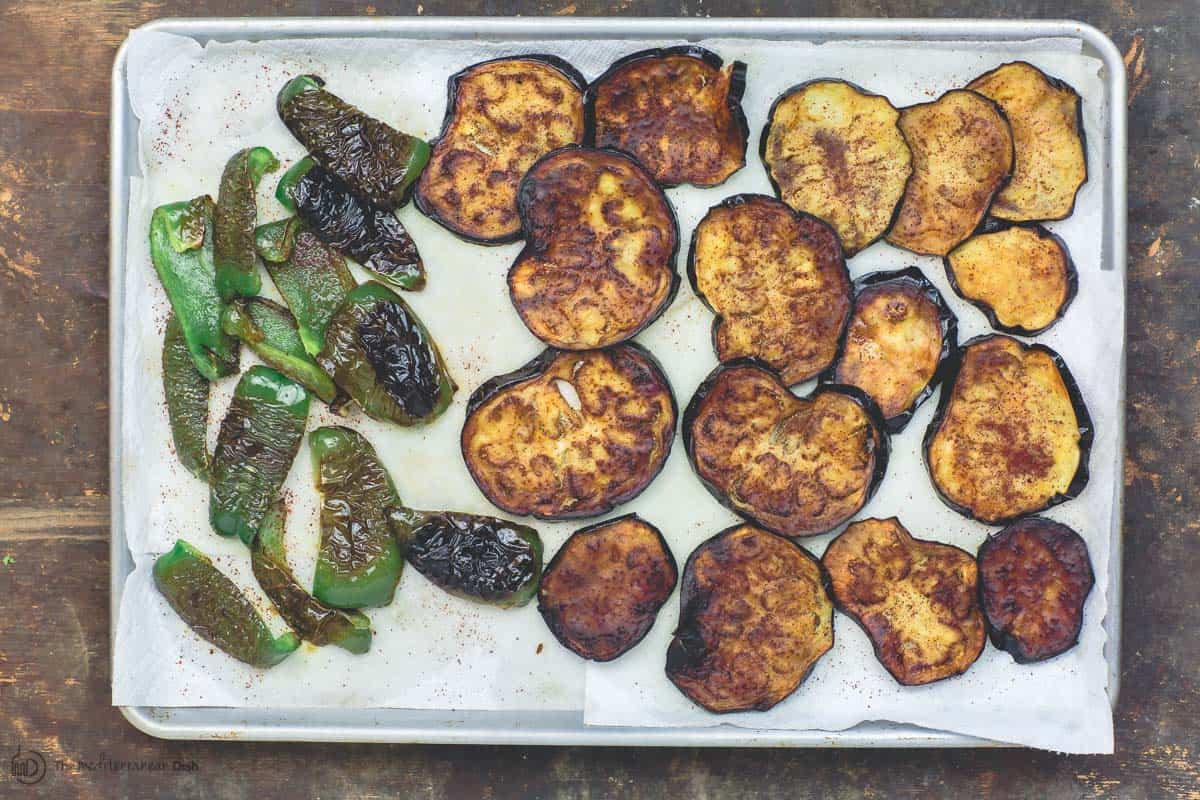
(454, 728)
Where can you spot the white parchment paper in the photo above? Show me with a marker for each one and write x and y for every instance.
(197, 105)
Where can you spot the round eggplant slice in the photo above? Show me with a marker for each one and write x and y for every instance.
(962, 152)
(501, 116)
(599, 259)
(1020, 276)
(796, 466)
(900, 334)
(835, 151)
(570, 434)
(916, 600)
(1034, 578)
(777, 282)
(1011, 435)
(602, 591)
(755, 616)
(1046, 116)
(677, 110)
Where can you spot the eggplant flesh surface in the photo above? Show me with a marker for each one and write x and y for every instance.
(755, 616)
(571, 434)
(599, 260)
(962, 152)
(836, 151)
(602, 591)
(917, 600)
(502, 116)
(1034, 578)
(777, 282)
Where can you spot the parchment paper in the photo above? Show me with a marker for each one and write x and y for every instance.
(199, 105)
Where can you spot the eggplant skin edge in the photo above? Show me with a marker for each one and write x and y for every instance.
(997, 226)
(1087, 429)
(946, 317)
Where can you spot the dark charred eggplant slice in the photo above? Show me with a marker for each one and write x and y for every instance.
(1046, 116)
(599, 259)
(777, 282)
(835, 151)
(677, 110)
(501, 116)
(754, 618)
(916, 599)
(1011, 435)
(899, 335)
(602, 591)
(796, 466)
(1034, 578)
(570, 434)
(1020, 276)
(962, 152)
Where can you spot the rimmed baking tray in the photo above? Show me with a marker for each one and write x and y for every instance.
(559, 727)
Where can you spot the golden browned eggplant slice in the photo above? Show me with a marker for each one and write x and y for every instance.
(570, 434)
(1020, 276)
(962, 155)
(501, 116)
(796, 466)
(677, 110)
(917, 600)
(1011, 435)
(755, 616)
(599, 259)
(777, 282)
(1034, 578)
(1046, 116)
(603, 589)
(835, 151)
(900, 333)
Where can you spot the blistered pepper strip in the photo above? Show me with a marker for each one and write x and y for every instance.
(269, 330)
(233, 225)
(186, 391)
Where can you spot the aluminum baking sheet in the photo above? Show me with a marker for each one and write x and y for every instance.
(567, 727)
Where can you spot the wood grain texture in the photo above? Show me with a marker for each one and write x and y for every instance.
(54, 655)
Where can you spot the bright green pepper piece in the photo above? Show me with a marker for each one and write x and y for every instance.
(288, 181)
(270, 330)
(181, 247)
(258, 440)
(213, 606)
(233, 225)
(186, 391)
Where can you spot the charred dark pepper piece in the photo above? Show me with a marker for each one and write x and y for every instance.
(270, 330)
(214, 607)
(186, 391)
(233, 225)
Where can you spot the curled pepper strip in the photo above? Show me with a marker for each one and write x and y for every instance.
(233, 225)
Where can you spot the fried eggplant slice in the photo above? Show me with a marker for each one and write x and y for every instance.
(598, 264)
(677, 110)
(501, 116)
(917, 600)
(754, 617)
(796, 466)
(777, 282)
(602, 591)
(570, 434)
(1034, 578)
(1020, 276)
(1011, 435)
(962, 152)
(834, 150)
(900, 334)
(1046, 116)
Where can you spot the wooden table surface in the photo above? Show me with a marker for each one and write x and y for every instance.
(54, 523)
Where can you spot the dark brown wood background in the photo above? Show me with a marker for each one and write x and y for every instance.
(54, 656)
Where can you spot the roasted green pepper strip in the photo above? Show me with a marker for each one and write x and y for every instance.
(233, 224)
(259, 438)
(312, 278)
(377, 162)
(270, 330)
(181, 247)
(310, 618)
(378, 352)
(360, 561)
(186, 391)
(214, 607)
